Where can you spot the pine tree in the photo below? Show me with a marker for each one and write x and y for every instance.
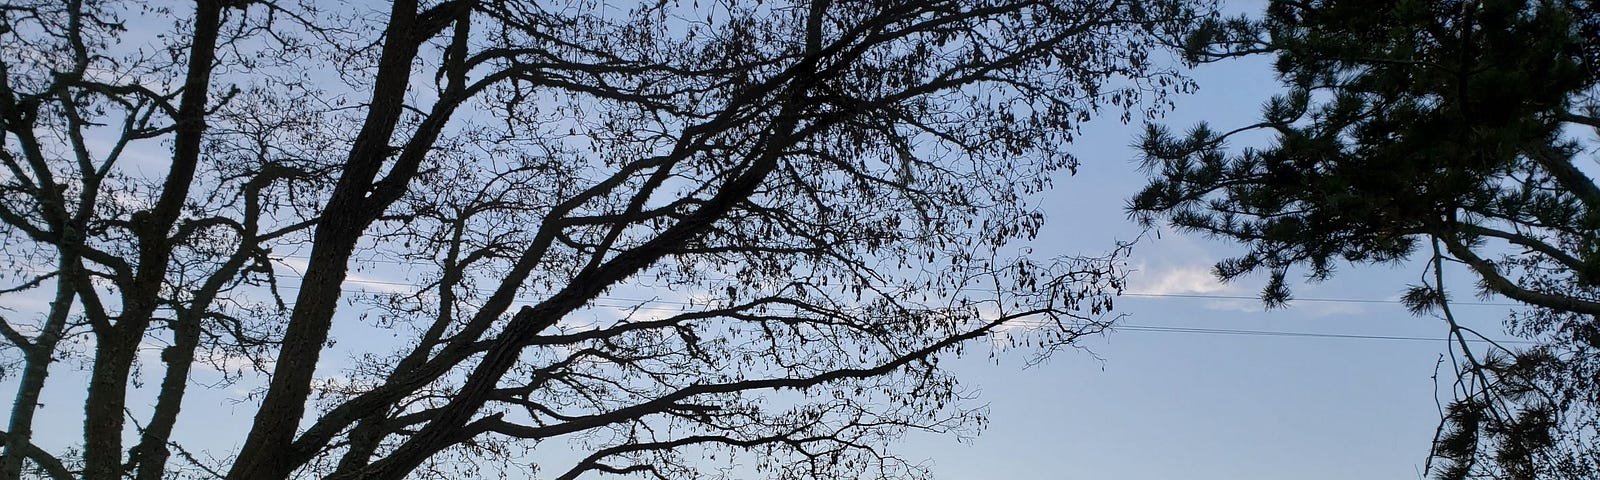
(1442, 130)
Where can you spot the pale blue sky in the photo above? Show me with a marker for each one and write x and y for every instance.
(1163, 405)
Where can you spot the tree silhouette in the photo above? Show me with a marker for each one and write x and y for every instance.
(817, 200)
(1451, 131)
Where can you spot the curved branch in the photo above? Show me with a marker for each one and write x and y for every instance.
(1494, 281)
(1557, 254)
(51, 465)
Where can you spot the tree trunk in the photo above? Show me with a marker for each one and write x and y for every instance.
(346, 216)
(36, 367)
(117, 345)
(152, 450)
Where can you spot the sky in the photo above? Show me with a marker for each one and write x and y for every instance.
(1145, 404)
(1148, 403)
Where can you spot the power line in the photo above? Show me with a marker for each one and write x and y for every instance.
(1320, 300)
(1273, 333)
(1209, 331)
(641, 304)
(1201, 296)
(1205, 331)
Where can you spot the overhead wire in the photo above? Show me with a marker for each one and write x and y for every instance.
(642, 304)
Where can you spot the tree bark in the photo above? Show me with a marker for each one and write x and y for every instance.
(152, 451)
(117, 346)
(348, 213)
(36, 368)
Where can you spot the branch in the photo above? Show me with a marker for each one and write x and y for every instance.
(51, 465)
(666, 401)
(1557, 254)
(592, 462)
(11, 334)
(1567, 175)
(1579, 118)
(1494, 281)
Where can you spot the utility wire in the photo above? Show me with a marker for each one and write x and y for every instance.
(1271, 333)
(1203, 296)
(1320, 300)
(641, 304)
(1199, 296)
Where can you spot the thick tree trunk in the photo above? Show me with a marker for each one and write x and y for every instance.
(281, 410)
(179, 357)
(117, 345)
(108, 388)
(347, 214)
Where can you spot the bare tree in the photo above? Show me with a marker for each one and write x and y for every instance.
(815, 200)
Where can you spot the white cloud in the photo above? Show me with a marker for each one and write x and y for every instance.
(352, 281)
(1234, 305)
(1328, 309)
(1007, 334)
(1179, 280)
(1191, 280)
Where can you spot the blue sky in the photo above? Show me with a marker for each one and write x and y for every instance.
(1164, 405)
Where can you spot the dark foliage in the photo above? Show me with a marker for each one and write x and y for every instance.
(1449, 130)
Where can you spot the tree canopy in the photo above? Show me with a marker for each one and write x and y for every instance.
(815, 199)
(1459, 131)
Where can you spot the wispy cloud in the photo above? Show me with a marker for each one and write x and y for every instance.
(214, 361)
(1177, 280)
(1329, 309)
(1190, 279)
(352, 281)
